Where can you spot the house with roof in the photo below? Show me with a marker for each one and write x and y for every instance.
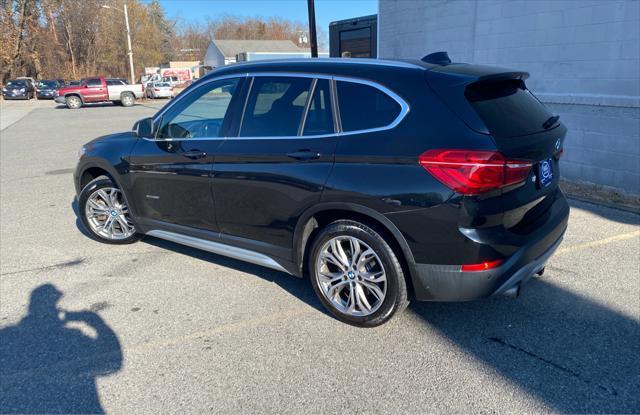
(224, 52)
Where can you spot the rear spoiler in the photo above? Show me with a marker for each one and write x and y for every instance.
(450, 82)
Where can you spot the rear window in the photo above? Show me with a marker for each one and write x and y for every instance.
(507, 107)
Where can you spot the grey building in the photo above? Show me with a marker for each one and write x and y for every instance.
(583, 57)
(224, 52)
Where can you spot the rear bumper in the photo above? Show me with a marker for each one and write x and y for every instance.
(448, 283)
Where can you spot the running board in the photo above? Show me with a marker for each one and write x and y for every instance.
(220, 249)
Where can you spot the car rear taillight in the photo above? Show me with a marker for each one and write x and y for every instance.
(156, 89)
(471, 172)
(483, 266)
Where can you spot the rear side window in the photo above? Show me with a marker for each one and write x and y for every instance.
(507, 108)
(319, 116)
(363, 107)
(275, 106)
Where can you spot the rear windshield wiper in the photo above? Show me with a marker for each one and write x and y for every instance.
(550, 122)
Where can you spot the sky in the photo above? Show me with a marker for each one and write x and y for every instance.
(326, 10)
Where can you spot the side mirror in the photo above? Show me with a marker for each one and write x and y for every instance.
(144, 128)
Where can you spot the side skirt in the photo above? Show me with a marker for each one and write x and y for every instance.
(219, 248)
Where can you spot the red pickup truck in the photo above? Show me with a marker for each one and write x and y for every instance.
(99, 89)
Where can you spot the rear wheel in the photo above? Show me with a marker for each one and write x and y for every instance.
(105, 212)
(73, 102)
(356, 274)
(127, 99)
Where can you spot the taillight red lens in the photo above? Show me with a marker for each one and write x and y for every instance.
(471, 172)
(480, 267)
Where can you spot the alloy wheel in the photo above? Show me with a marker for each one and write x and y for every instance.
(108, 214)
(351, 276)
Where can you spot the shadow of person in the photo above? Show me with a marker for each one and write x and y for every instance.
(47, 362)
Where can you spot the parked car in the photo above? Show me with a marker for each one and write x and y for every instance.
(159, 90)
(31, 80)
(18, 89)
(61, 82)
(380, 180)
(99, 89)
(47, 89)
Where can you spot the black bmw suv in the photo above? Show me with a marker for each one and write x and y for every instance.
(380, 180)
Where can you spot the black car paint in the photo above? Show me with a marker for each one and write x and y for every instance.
(249, 193)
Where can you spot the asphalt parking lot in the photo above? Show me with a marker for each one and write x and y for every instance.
(172, 329)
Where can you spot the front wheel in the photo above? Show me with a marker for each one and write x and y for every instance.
(105, 212)
(356, 274)
(73, 102)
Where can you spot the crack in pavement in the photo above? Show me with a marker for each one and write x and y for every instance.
(553, 364)
(66, 264)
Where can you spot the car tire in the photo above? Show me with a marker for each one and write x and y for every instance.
(127, 99)
(101, 200)
(348, 292)
(73, 102)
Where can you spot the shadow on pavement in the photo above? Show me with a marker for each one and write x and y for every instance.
(564, 349)
(79, 224)
(298, 287)
(49, 365)
(608, 213)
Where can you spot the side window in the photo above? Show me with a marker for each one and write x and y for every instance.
(112, 82)
(319, 117)
(363, 106)
(93, 82)
(275, 106)
(200, 115)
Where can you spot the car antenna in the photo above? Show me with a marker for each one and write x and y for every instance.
(437, 58)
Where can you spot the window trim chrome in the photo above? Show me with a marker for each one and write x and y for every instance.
(404, 106)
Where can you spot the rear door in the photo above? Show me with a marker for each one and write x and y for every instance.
(277, 166)
(171, 174)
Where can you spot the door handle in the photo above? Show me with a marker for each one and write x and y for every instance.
(194, 154)
(304, 155)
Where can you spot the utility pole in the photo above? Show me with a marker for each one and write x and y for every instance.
(313, 37)
(130, 52)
